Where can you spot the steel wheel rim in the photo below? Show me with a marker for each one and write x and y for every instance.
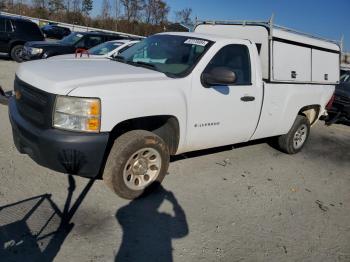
(19, 52)
(142, 168)
(300, 136)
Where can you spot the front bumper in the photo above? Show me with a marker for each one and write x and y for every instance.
(63, 151)
(26, 56)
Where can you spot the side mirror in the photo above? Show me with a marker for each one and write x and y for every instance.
(218, 76)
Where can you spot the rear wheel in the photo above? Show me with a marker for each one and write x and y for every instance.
(295, 139)
(16, 53)
(138, 161)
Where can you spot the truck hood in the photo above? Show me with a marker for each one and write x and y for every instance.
(62, 76)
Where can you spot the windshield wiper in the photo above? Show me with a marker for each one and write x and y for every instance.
(118, 58)
(145, 64)
(122, 59)
(142, 64)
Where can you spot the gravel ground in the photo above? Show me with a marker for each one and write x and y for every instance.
(249, 203)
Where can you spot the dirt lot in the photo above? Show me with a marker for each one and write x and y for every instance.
(250, 203)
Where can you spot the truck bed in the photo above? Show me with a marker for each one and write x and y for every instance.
(282, 102)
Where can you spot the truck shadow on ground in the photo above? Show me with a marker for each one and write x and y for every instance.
(34, 229)
(148, 233)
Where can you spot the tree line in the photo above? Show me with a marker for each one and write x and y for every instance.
(141, 17)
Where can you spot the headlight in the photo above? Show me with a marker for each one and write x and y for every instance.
(77, 114)
(35, 51)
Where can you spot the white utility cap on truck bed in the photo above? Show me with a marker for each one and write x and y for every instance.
(286, 55)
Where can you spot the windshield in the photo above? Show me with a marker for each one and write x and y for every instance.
(104, 48)
(345, 78)
(173, 55)
(71, 39)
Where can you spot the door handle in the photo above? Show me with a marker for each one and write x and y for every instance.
(247, 98)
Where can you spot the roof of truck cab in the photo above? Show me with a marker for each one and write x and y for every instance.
(210, 37)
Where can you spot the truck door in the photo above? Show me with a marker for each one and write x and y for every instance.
(222, 115)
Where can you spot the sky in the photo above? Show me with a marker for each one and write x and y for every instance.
(327, 18)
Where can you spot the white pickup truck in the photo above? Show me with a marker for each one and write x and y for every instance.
(172, 93)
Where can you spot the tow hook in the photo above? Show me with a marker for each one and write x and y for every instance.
(4, 96)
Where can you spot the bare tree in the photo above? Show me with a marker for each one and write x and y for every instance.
(117, 12)
(156, 11)
(68, 4)
(132, 8)
(106, 9)
(161, 12)
(184, 17)
(76, 6)
(86, 7)
(3, 4)
(55, 6)
(117, 9)
(39, 4)
(7, 4)
(149, 5)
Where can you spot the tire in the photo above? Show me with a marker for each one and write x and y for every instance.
(16, 53)
(295, 139)
(137, 162)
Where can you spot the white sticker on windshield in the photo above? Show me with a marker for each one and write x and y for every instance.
(196, 42)
(79, 35)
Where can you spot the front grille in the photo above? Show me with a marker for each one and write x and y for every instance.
(34, 104)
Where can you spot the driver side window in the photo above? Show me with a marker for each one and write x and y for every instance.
(89, 41)
(236, 58)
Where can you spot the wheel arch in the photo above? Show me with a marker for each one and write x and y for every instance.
(165, 126)
(311, 112)
(16, 42)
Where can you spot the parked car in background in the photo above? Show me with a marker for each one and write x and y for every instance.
(344, 75)
(339, 109)
(104, 50)
(14, 33)
(68, 45)
(55, 31)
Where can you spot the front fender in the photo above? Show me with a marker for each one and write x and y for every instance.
(124, 101)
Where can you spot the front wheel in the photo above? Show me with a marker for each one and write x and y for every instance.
(137, 161)
(17, 53)
(295, 139)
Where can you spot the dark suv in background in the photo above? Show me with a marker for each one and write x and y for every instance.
(14, 33)
(55, 31)
(68, 45)
(339, 110)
